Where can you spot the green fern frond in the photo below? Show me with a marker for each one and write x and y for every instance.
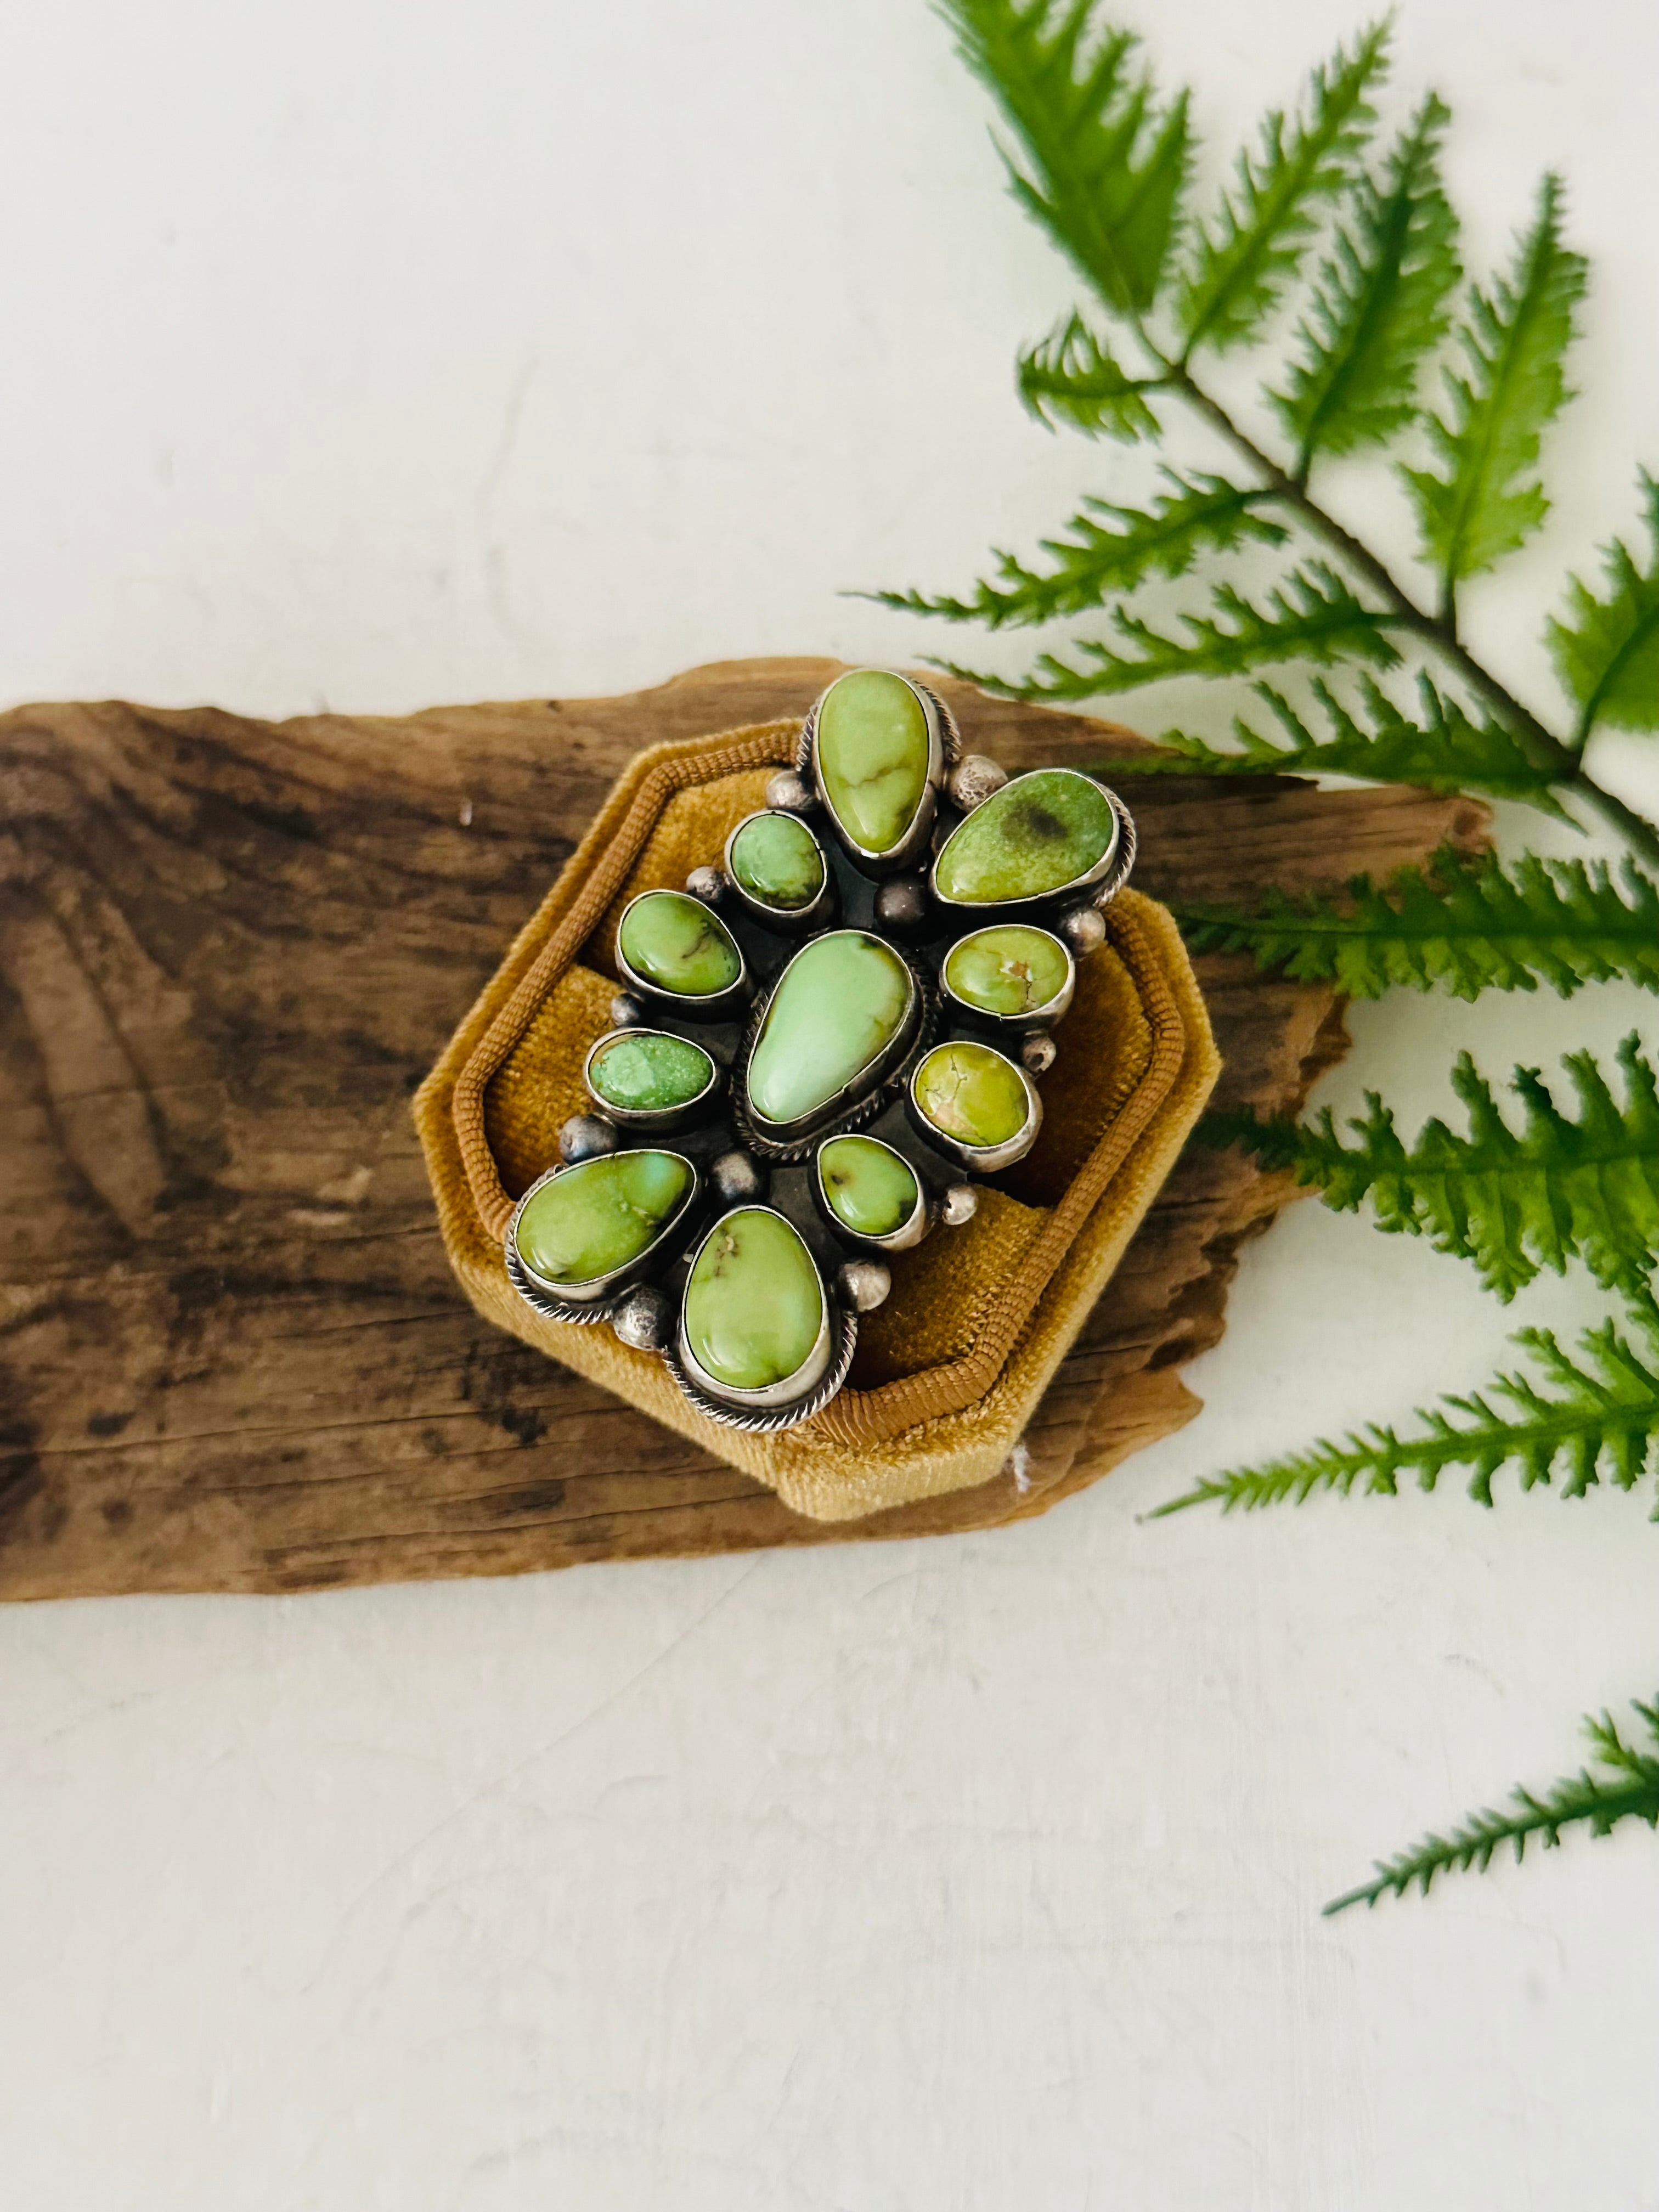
(1312, 616)
(1380, 304)
(1606, 651)
(1599, 1413)
(1072, 378)
(1446, 749)
(1468, 927)
(1475, 508)
(1106, 171)
(1626, 1789)
(1109, 550)
(1511, 1204)
(1242, 263)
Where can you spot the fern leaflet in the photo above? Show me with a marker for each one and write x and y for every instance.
(1468, 926)
(1382, 303)
(1511, 1204)
(1240, 265)
(1600, 1412)
(1108, 549)
(1312, 616)
(1474, 509)
(1627, 1788)
(1106, 171)
(1607, 651)
(1447, 749)
(1072, 378)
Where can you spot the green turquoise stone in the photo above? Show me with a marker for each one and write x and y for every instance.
(971, 1093)
(754, 1303)
(1035, 835)
(841, 1002)
(777, 859)
(872, 756)
(674, 942)
(648, 1072)
(591, 1219)
(869, 1187)
(1007, 969)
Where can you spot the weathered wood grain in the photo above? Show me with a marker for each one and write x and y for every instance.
(232, 1356)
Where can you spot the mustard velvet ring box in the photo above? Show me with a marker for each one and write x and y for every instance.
(812, 1111)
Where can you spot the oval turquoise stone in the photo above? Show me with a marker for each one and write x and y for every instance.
(593, 1218)
(1037, 835)
(841, 1002)
(971, 1093)
(869, 1187)
(776, 858)
(648, 1072)
(1008, 969)
(754, 1301)
(873, 754)
(675, 942)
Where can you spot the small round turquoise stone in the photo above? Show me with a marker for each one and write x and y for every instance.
(675, 942)
(839, 1004)
(648, 1072)
(777, 859)
(971, 1093)
(869, 1187)
(754, 1301)
(1008, 969)
(1036, 836)
(589, 1220)
(873, 751)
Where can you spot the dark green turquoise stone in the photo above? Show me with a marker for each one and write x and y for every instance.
(648, 1072)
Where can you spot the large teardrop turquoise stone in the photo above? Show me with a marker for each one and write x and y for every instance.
(754, 1301)
(587, 1221)
(872, 753)
(841, 1002)
(673, 941)
(1036, 836)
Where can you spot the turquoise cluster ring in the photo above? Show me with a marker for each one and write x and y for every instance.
(820, 1046)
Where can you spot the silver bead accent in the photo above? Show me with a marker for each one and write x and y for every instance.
(585, 1136)
(902, 904)
(959, 1206)
(862, 1285)
(627, 1012)
(645, 1319)
(973, 779)
(1083, 930)
(736, 1179)
(1038, 1054)
(790, 793)
(707, 884)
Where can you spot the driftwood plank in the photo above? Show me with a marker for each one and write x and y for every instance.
(232, 1356)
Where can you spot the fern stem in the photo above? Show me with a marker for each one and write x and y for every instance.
(1438, 629)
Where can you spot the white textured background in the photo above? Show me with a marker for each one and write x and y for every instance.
(382, 355)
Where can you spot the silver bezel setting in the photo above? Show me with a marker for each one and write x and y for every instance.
(908, 1233)
(711, 1006)
(1102, 881)
(787, 920)
(858, 1100)
(787, 1398)
(647, 1120)
(592, 1301)
(978, 1159)
(1038, 1017)
(943, 749)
